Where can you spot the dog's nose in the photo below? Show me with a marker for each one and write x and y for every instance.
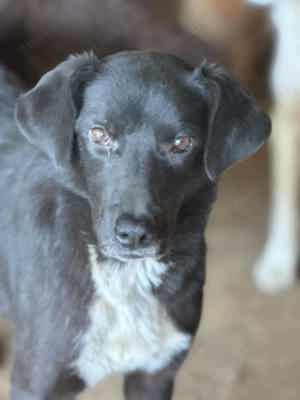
(133, 232)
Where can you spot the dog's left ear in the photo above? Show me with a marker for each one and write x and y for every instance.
(237, 128)
(46, 114)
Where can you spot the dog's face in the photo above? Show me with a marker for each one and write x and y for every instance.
(141, 151)
(143, 133)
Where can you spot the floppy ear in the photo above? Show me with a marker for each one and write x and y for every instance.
(237, 128)
(46, 114)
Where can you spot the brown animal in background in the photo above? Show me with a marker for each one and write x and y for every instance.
(244, 34)
(35, 35)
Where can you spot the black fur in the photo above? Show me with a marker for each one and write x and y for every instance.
(61, 192)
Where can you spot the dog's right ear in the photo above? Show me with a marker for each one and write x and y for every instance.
(46, 114)
(237, 127)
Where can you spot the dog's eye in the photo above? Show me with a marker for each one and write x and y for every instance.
(100, 136)
(181, 144)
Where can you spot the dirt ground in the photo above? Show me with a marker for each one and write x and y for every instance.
(248, 344)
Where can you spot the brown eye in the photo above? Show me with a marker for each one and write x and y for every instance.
(99, 136)
(181, 144)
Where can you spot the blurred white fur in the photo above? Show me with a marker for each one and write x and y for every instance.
(276, 269)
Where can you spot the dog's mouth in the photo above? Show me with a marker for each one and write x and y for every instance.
(155, 252)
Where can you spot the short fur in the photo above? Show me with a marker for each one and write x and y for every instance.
(84, 302)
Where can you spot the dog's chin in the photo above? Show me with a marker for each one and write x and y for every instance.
(127, 256)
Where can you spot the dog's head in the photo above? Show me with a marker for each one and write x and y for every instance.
(143, 133)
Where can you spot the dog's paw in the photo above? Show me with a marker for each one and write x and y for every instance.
(275, 271)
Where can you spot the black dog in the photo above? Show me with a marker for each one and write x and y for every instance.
(108, 176)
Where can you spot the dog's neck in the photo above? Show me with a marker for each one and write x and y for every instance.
(144, 274)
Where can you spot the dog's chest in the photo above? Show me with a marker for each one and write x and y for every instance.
(129, 329)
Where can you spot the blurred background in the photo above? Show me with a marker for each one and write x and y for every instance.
(248, 343)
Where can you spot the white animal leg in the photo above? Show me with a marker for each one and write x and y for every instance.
(276, 269)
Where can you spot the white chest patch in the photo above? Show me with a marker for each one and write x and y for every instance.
(129, 329)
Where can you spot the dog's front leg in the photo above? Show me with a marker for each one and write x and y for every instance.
(19, 394)
(140, 386)
(158, 386)
(38, 379)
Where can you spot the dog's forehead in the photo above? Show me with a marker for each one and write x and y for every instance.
(146, 64)
(135, 85)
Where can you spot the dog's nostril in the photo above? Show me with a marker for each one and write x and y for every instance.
(123, 238)
(143, 238)
(123, 235)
